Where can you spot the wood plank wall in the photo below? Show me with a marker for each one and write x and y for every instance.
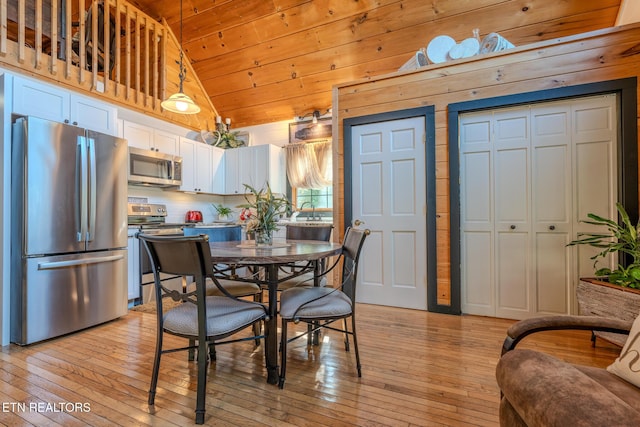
(592, 57)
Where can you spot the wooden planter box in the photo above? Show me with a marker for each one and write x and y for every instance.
(599, 298)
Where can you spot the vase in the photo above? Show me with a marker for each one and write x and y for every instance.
(263, 238)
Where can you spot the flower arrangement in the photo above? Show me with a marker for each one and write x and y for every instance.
(261, 212)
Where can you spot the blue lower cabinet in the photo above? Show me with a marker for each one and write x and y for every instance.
(216, 234)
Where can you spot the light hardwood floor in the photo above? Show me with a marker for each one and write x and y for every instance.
(419, 369)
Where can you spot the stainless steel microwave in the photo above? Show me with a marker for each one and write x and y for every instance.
(154, 169)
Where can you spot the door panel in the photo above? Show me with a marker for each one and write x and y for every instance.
(51, 188)
(389, 196)
(110, 217)
(512, 278)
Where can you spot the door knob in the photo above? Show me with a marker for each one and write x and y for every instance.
(513, 227)
(552, 227)
(357, 222)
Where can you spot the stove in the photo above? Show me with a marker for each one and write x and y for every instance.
(150, 218)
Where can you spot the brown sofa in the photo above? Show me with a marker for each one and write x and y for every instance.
(540, 390)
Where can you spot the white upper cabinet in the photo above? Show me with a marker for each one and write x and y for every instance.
(45, 101)
(254, 166)
(148, 138)
(197, 166)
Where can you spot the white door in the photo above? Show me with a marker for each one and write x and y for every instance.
(389, 196)
(528, 176)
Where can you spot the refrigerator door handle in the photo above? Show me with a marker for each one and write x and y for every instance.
(75, 262)
(91, 217)
(81, 187)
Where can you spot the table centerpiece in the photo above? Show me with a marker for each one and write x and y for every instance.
(261, 213)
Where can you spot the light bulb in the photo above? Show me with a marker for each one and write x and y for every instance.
(182, 106)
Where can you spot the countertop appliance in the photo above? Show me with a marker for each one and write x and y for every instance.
(69, 229)
(153, 169)
(193, 216)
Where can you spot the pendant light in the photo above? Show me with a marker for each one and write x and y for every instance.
(180, 102)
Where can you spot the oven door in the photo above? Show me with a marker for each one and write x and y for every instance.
(147, 290)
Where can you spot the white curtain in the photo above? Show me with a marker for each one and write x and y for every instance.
(309, 164)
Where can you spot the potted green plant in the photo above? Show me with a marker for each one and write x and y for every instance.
(224, 212)
(621, 238)
(613, 292)
(262, 212)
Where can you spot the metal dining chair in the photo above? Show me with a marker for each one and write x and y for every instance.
(319, 307)
(302, 273)
(199, 318)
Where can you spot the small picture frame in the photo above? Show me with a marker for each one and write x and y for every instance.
(309, 131)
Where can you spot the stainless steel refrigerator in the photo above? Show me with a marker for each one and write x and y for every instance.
(69, 229)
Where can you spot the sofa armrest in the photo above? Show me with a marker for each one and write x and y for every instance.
(523, 328)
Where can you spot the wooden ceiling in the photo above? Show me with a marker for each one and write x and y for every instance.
(262, 61)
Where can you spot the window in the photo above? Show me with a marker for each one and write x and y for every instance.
(318, 198)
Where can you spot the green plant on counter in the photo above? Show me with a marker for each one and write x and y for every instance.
(620, 238)
(222, 210)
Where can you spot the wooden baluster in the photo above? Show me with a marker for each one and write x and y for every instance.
(95, 52)
(38, 35)
(146, 62)
(54, 37)
(106, 45)
(82, 53)
(155, 65)
(128, 57)
(163, 67)
(117, 57)
(3, 27)
(21, 30)
(137, 59)
(68, 39)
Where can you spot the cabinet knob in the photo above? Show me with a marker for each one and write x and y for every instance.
(75, 123)
(513, 227)
(66, 120)
(552, 227)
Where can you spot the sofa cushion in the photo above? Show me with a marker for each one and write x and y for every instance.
(627, 365)
(621, 388)
(545, 391)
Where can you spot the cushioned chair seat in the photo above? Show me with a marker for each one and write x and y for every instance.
(546, 391)
(228, 313)
(333, 303)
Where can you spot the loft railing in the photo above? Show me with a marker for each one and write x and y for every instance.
(104, 46)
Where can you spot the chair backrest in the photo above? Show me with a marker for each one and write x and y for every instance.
(309, 232)
(351, 249)
(183, 256)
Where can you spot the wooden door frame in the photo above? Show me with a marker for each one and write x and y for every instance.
(428, 113)
(627, 152)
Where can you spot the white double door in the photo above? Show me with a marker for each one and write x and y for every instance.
(528, 176)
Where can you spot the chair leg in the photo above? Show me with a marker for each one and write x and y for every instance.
(192, 352)
(257, 326)
(202, 382)
(355, 344)
(283, 353)
(346, 335)
(156, 369)
(212, 351)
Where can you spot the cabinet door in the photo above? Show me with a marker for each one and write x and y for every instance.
(188, 154)
(95, 115)
(40, 100)
(232, 171)
(203, 176)
(137, 135)
(217, 170)
(166, 142)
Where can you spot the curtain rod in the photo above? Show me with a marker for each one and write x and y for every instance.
(317, 141)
